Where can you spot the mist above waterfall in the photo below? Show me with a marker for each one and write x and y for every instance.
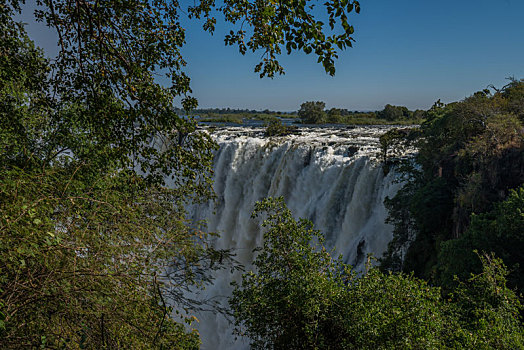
(330, 176)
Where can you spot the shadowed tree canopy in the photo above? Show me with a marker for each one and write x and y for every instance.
(471, 156)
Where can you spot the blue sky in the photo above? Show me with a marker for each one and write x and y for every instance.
(407, 52)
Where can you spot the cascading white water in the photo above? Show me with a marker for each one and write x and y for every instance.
(330, 176)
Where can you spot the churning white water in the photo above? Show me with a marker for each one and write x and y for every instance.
(330, 176)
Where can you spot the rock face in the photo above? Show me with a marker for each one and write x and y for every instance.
(329, 176)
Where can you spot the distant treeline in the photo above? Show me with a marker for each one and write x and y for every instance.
(313, 112)
(228, 110)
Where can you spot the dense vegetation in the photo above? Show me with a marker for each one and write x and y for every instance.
(299, 297)
(231, 111)
(93, 244)
(314, 112)
(96, 167)
(216, 115)
(463, 191)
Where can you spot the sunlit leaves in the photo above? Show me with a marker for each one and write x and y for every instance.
(291, 25)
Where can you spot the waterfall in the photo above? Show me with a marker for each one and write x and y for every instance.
(330, 176)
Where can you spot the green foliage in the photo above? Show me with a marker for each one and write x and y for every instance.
(299, 297)
(101, 103)
(232, 118)
(370, 119)
(288, 25)
(312, 112)
(426, 223)
(500, 231)
(391, 115)
(395, 311)
(86, 265)
(334, 116)
(395, 142)
(394, 113)
(488, 311)
(276, 128)
(289, 303)
(471, 153)
(404, 227)
(23, 81)
(96, 167)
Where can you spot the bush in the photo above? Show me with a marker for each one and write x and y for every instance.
(276, 128)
